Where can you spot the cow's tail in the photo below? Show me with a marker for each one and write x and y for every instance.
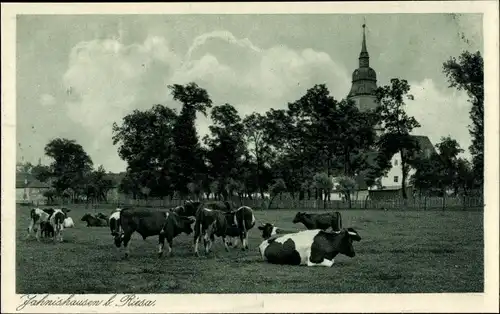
(339, 221)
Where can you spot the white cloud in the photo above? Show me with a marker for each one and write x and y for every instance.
(440, 113)
(108, 80)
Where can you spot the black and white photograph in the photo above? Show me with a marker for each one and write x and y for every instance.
(329, 152)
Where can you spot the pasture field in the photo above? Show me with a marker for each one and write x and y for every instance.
(407, 252)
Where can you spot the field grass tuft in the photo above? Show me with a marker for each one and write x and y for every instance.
(407, 252)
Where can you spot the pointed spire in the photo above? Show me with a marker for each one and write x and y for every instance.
(364, 58)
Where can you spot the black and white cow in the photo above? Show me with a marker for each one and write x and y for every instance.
(37, 217)
(57, 220)
(212, 222)
(270, 230)
(319, 221)
(309, 247)
(147, 223)
(114, 222)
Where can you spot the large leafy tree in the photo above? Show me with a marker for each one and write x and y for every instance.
(396, 126)
(466, 73)
(70, 166)
(258, 146)
(145, 140)
(188, 155)
(226, 146)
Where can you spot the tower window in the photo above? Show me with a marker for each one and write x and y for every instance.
(396, 179)
(395, 162)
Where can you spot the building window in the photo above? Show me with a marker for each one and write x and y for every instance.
(396, 178)
(395, 162)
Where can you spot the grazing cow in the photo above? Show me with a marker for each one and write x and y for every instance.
(57, 222)
(309, 247)
(37, 217)
(68, 223)
(148, 223)
(211, 222)
(114, 222)
(320, 221)
(93, 221)
(270, 230)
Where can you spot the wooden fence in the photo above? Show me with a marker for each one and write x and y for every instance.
(427, 203)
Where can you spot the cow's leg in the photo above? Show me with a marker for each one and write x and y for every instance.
(161, 244)
(38, 230)
(235, 239)
(30, 229)
(196, 243)
(206, 242)
(227, 242)
(317, 258)
(169, 247)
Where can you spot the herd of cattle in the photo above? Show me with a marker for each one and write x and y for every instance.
(312, 247)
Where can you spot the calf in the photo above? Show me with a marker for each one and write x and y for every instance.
(37, 217)
(151, 223)
(309, 247)
(57, 222)
(93, 221)
(114, 222)
(319, 221)
(270, 230)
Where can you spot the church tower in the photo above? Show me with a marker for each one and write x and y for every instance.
(364, 81)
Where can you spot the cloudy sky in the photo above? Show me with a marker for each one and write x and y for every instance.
(76, 75)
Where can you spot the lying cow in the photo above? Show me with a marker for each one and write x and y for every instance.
(68, 222)
(93, 221)
(211, 222)
(319, 221)
(309, 247)
(148, 223)
(270, 230)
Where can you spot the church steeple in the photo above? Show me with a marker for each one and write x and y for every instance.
(364, 57)
(364, 80)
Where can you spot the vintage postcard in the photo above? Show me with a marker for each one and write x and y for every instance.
(250, 157)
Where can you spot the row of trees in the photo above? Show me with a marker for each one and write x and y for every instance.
(295, 150)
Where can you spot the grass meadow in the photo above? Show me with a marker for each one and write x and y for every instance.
(405, 252)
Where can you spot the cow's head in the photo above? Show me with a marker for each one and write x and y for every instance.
(299, 217)
(49, 211)
(87, 217)
(268, 230)
(348, 235)
(59, 215)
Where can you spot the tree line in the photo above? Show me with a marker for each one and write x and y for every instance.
(295, 150)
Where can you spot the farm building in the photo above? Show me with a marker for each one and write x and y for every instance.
(29, 189)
